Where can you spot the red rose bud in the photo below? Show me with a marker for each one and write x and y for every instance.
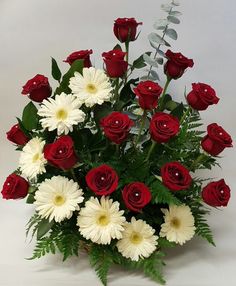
(17, 136)
(216, 194)
(148, 93)
(136, 196)
(37, 88)
(201, 96)
(80, 55)
(125, 29)
(116, 126)
(116, 66)
(163, 127)
(176, 64)
(61, 153)
(102, 180)
(216, 140)
(15, 187)
(175, 176)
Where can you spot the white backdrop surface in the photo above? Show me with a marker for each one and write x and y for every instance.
(33, 30)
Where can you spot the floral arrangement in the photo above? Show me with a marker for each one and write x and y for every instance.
(109, 159)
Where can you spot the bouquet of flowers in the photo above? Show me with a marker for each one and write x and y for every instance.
(109, 158)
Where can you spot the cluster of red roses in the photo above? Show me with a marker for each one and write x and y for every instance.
(117, 125)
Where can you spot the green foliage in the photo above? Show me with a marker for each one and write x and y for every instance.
(43, 227)
(101, 260)
(30, 117)
(160, 194)
(56, 73)
(151, 266)
(139, 62)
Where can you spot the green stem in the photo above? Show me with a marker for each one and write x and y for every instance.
(117, 150)
(186, 113)
(141, 127)
(161, 99)
(116, 91)
(73, 175)
(150, 150)
(196, 162)
(126, 58)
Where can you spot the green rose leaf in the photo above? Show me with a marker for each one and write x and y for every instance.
(56, 73)
(30, 117)
(43, 227)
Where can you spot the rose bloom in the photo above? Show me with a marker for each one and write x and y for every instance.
(201, 96)
(116, 126)
(216, 140)
(116, 66)
(175, 176)
(148, 93)
(17, 136)
(125, 29)
(176, 64)
(37, 88)
(15, 187)
(216, 194)
(80, 55)
(61, 153)
(102, 180)
(136, 196)
(163, 127)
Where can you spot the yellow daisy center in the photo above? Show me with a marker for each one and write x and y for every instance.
(61, 114)
(103, 220)
(59, 200)
(35, 157)
(136, 238)
(91, 88)
(175, 222)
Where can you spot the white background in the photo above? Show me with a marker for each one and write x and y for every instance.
(33, 30)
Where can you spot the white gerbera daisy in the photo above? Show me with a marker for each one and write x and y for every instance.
(57, 198)
(32, 161)
(179, 224)
(93, 87)
(138, 240)
(61, 113)
(101, 221)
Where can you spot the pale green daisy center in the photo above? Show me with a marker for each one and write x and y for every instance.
(103, 220)
(175, 222)
(59, 200)
(61, 114)
(91, 88)
(35, 158)
(136, 238)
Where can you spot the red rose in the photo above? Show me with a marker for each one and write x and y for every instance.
(216, 194)
(148, 93)
(175, 176)
(216, 140)
(61, 153)
(163, 127)
(201, 96)
(17, 136)
(116, 66)
(102, 180)
(37, 88)
(176, 64)
(80, 55)
(15, 187)
(116, 126)
(125, 29)
(136, 196)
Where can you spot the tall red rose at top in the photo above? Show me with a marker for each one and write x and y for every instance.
(125, 29)
(176, 64)
(216, 140)
(80, 55)
(116, 66)
(37, 88)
